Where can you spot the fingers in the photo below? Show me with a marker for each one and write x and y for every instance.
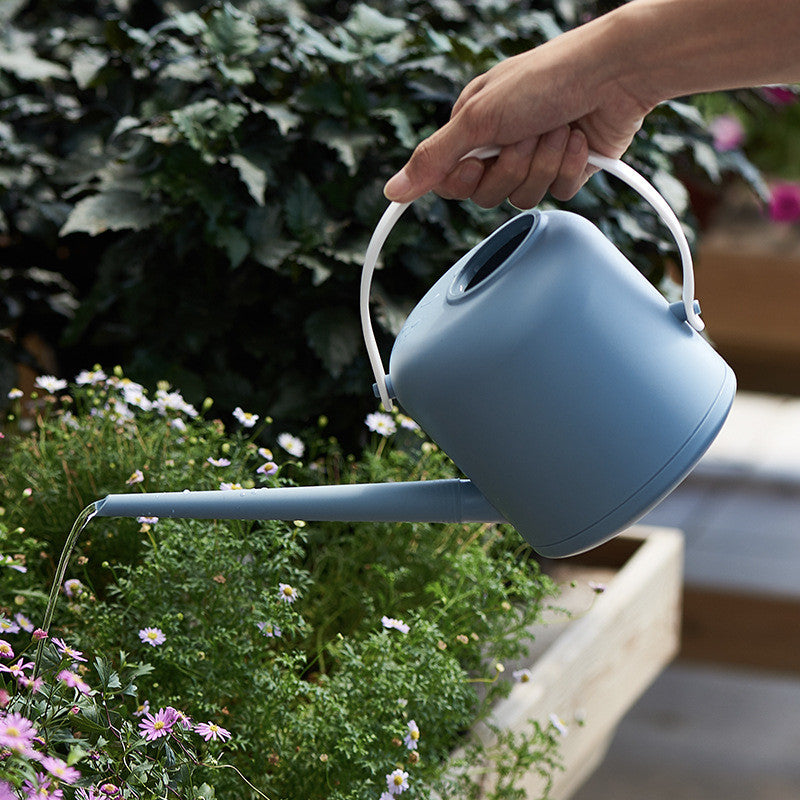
(523, 172)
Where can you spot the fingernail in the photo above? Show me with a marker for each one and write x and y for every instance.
(557, 139)
(575, 141)
(397, 187)
(470, 171)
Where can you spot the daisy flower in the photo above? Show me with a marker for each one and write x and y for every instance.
(522, 675)
(142, 709)
(291, 444)
(154, 727)
(16, 732)
(147, 520)
(12, 563)
(270, 468)
(230, 487)
(245, 418)
(152, 636)
(17, 670)
(287, 593)
(6, 650)
(65, 650)
(15, 394)
(74, 681)
(381, 423)
(268, 629)
(397, 624)
(50, 383)
(407, 423)
(210, 730)
(90, 377)
(219, 462)
(265, 453)
(73, 587)
(137, 476)
(40, 787)
(60, 769)
(23, 622)
(7, 625)
(558, 724)
(397, 781)
(412, 737)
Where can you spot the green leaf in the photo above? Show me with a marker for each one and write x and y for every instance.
(27, 66)
(112, 210)
(264, 229)
(304, 211)
(235, 244)
(334, 334)
(231, 33)
(285, 119)
(402, 126)
(252, 176)
(369, 23)
(86, 63)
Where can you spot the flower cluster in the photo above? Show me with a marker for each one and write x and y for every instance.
(734, 132)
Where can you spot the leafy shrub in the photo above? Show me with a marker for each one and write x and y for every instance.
(208, 178)
(320, 648)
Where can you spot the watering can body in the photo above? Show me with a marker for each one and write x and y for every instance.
(560, 381)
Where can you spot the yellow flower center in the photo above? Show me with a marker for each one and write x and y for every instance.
(158, 725)
(13, 731)
(415, 735)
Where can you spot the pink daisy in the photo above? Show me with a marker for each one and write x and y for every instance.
(210, 730)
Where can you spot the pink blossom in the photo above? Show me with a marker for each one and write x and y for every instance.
(18, 669)
(210, 730)
(6, 650)
(784, 202)
(73, 680)
(778, 95)
(154, 727)
(728, 132)
(6, 792)
(60, 769)
(42, 788)
(66, 651)
(16, 732)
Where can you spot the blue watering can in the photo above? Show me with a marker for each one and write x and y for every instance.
(557, 378)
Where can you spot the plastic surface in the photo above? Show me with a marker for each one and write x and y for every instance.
(414, 501)
(559, 381)
(611, 165)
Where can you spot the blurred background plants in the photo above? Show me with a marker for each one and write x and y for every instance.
(315, 645)
(206, 177)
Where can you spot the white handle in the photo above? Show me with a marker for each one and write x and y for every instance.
(616, 167)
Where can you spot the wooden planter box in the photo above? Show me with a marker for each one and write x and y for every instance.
(590, 668)
(748, 284)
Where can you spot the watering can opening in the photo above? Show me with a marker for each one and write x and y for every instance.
(492, 255)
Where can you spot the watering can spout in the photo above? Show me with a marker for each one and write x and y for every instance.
(451, 500)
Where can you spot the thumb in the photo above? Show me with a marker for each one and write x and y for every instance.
(430, 163)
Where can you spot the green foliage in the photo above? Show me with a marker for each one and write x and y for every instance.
(318, 647)
(209, 178)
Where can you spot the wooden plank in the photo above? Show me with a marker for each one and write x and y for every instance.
(742, 629)
(601, 660)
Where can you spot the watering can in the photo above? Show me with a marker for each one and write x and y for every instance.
(572, 395)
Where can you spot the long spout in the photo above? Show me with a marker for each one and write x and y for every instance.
(451, 500)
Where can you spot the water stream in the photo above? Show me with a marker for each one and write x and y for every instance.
(80, 523)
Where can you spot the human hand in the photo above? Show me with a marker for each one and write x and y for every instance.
(545, 109)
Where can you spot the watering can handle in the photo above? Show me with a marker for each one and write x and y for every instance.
(616, 167)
